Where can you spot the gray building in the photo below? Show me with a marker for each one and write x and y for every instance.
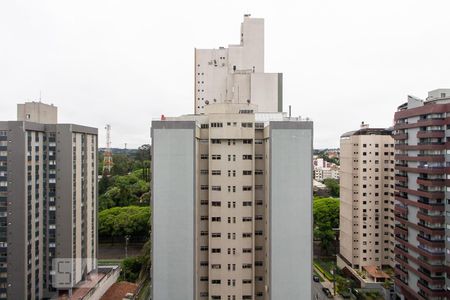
(232, 197)
(48, 202)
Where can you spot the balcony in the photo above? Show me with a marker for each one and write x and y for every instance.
(403, 285)
(421, 157)
(431, 292)
(430, 134)
(435, 219)
(421, 261)
(400, 230)
(425, 204)
(401, 178)
(431, 181)
(402, 209)
(428, 254)
(401, 272)
(400, 136)
(440, 231)
(430, 242)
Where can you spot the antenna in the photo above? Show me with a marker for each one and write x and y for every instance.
(107, 159)
(125, 146)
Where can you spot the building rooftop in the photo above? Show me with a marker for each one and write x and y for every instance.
(375, 272)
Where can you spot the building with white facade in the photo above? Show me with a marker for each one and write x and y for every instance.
(232, 189)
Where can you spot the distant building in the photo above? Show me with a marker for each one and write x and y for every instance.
(422, 209)
(48, 202)
(232, 189)
(367, 198)
(325, 170)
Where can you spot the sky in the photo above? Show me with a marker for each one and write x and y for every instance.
(126, 62)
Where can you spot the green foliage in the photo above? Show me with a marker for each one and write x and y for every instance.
(122, 164)
(121, 221)
(326, 217)
(131, 267)
(146, 261)
(324, 155)
(124, 190)
(333, 186)
(324, 272)
(342, 284)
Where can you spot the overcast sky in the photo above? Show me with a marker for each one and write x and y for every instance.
(126, 62)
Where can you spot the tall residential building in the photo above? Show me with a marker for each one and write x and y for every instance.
(232, 202)
(367, 198)
(236, 74)
(48, 202)
(422, 197)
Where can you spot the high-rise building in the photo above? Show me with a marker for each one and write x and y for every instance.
(367, 198)
(236, 74)
(232, 196)
(422, 197)
(48, 202)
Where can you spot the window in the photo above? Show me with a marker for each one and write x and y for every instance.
(216, 125)
(216, 250)
(216, 157)
(247, 141)
(247, 172)
(247, 188)
(247, 157)
(203, 156)
(259, 156)
(216, 188)
(215, 219)
(247, 124)
(215, 172)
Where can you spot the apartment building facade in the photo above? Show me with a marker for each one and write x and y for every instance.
(422, 202)
(232, 193)
(367, 198)
(48, 202)
(236, 74)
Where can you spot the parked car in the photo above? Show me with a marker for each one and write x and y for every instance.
(316, 278)
(327, 292)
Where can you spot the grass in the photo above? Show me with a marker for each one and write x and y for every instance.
(326, 267)
(109, 262)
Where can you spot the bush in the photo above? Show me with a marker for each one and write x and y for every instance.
(131, 267)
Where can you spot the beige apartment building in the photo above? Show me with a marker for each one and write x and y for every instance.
(367, 198)
(48, 203)
(232, 193)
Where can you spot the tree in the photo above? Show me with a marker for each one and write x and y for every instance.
(131, 268)
(333, 186)
(121, 221)
(326, 217)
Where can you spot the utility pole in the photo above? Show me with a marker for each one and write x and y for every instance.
(108, 159)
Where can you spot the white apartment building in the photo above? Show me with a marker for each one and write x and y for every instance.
(367, 198)
(232, 189)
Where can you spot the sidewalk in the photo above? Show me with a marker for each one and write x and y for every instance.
(328, 284)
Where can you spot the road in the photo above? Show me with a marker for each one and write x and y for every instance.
(318, 294)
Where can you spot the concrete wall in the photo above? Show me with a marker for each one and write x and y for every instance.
(37, 112)
(173, 203)
(291, 210)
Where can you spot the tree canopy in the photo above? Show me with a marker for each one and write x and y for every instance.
(326, 217)
(133, 221)
(333, 186)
